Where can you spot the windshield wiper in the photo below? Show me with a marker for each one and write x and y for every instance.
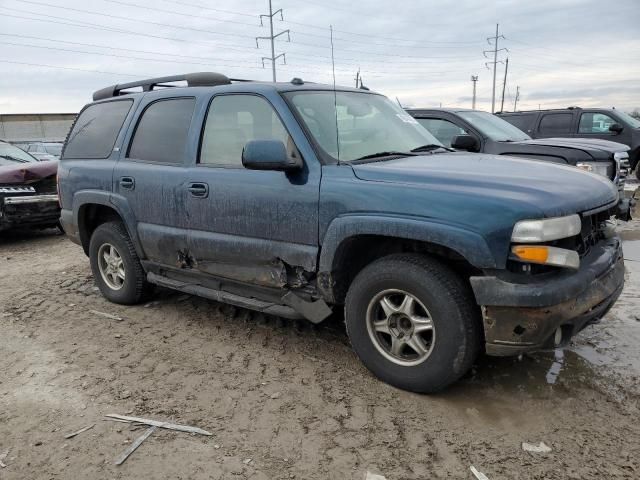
(15, 159)
(429, 148)
(390, 153)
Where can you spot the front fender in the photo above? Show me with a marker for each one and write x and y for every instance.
(470, 245)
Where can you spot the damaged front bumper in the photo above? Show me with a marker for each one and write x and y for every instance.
(29, 211)
(521, 314)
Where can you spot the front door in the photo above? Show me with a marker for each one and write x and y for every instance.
(258, 227)
(151, 175)
(596, 125)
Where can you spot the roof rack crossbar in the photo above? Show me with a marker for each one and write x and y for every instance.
(200, 79)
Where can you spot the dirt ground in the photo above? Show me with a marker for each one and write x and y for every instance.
(286, 399)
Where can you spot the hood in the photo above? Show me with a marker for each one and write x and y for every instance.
(26, 173)
(585, 144)
(549, 188)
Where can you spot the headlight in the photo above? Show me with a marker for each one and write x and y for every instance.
(601, 168)
(544, 255)
(546, 229)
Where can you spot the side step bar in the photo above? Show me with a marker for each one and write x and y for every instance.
(296, 307)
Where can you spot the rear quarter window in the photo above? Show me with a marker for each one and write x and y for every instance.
(96, 129)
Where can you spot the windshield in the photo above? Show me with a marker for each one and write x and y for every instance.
(632, 122)
(495, 128)
(53, 148)
(10, 155)
(366, 124)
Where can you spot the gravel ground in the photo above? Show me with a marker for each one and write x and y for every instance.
(285, 399)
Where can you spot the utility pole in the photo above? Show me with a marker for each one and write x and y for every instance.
(474, 79)
(515, 103)
(504, 84)
(495, 62)
(272, 38)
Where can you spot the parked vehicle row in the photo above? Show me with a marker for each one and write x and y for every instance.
(45, 150)
(603, 123)
(28, 196)
(299, 199)
(477, 131)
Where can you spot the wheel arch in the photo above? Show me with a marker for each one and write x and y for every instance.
(91, 209)
(352, 242)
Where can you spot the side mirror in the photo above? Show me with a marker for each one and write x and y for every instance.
(465, 142)
(616, 128)
(268, 155)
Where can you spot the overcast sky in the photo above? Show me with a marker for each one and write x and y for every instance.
(561, 52)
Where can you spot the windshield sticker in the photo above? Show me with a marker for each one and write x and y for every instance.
(407, 118)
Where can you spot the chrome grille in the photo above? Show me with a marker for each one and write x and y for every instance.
(13, 190)
(622, 169)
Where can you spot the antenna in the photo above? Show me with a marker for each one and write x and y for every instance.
(335, 95)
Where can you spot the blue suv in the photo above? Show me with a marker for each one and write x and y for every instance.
(298, 199)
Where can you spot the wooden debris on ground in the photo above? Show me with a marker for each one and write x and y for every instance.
(156, 423)
(106, 315)
(132, 448)
(3, 455)
(476, 473)
(536, 448)
(71, 435)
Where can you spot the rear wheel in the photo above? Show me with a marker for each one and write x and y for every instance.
(413, 322)
(116, 266)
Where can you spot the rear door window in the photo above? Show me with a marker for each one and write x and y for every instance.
(161, 134)
(96, 129)
(523, 122)
(555, 123)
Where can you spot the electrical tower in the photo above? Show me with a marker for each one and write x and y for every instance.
(495, 62)
(272, 38)
(474, 79)
(515, 103)
(504, 84)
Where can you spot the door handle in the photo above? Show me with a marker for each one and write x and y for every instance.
(127, 183)
(198, 189)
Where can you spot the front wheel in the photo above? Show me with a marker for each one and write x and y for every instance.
(413, 322)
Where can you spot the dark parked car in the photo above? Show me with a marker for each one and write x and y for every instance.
(477, 131)
(296, 199)
(28, 196)
(604, 123)
(45, 150)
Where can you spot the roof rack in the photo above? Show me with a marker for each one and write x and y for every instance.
(199, 79)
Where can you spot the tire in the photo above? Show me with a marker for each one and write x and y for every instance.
(451, 345)
(126, 282)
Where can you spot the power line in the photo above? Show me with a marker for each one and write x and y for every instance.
(70, 68)
(85, 24)
(386, 55)
(346, 32)
(148, 22)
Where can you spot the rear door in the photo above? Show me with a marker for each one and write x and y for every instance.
(556, 124)
(251, 226)
(150, 177)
